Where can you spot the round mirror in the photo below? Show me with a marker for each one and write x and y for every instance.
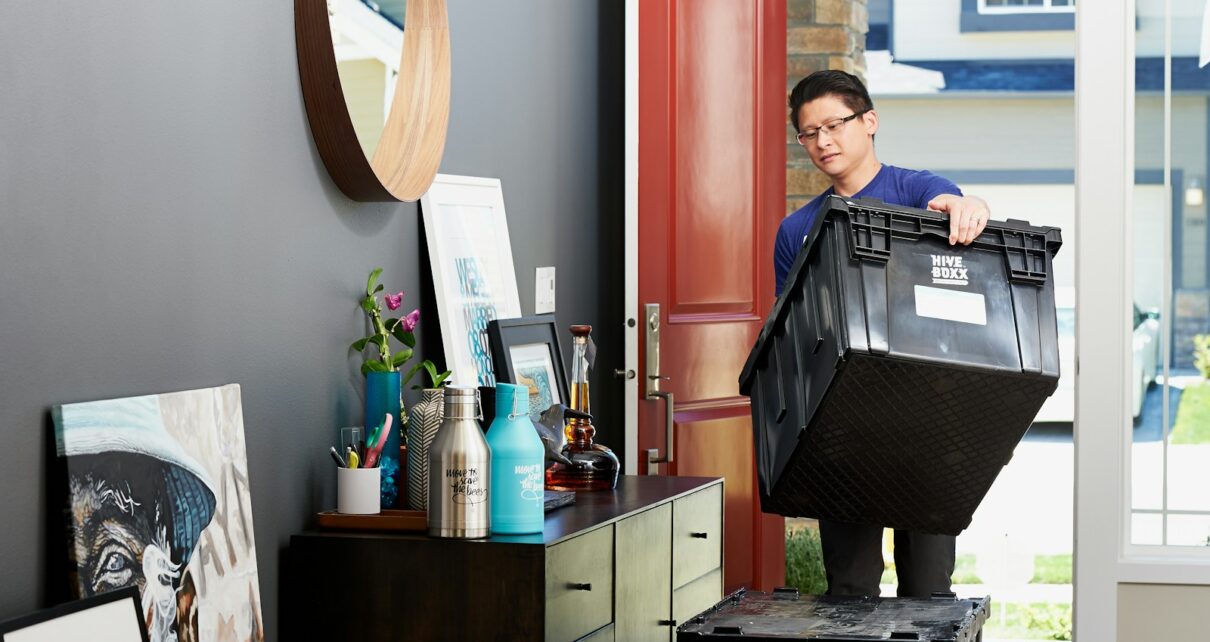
(376, 83)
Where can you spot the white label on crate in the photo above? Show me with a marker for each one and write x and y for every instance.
(950, 305)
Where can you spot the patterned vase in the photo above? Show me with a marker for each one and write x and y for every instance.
(425, 418)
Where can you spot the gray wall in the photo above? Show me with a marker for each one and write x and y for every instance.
(166, 224)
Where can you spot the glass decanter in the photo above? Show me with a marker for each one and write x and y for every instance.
(593, 466)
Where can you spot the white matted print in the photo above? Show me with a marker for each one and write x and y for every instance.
(472, 264)
(534, 369)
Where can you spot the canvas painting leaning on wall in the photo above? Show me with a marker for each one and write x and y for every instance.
(159, 499)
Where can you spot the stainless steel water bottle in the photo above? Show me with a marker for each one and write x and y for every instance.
(460, 470)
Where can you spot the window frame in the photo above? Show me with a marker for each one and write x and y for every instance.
(976, 17)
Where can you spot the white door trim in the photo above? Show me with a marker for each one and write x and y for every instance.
(631, 306)
(1104, 103)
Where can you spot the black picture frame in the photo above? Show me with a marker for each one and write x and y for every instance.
(504, 335)
(130, 593)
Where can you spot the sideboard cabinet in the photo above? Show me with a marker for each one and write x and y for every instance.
(627, 565)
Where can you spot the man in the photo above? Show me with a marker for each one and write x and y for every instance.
(836, 122)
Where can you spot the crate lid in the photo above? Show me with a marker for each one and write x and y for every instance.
(902, 222)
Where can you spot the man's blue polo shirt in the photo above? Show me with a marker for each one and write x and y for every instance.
(893, 185)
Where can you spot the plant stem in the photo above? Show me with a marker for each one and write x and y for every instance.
(384, 350)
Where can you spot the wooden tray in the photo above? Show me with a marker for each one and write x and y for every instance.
(388, 520)
(414, 521)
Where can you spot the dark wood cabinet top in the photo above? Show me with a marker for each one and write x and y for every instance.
(634, 494)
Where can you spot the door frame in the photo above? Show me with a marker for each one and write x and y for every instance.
(1104, 558)
(631, 239)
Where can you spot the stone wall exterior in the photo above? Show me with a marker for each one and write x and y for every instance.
(820, 34)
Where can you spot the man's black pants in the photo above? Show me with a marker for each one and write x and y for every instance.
(852, 557)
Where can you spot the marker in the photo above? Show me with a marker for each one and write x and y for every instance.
(376, 452)
(339, 460)
(354, 460)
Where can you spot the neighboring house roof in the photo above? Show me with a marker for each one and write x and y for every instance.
(1044, 75)
(392, 10)
(885, 76)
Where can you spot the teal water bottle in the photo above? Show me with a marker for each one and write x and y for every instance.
(518, 460)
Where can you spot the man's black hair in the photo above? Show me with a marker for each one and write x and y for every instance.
(846, 87)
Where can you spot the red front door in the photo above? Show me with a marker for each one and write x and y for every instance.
(711, 192)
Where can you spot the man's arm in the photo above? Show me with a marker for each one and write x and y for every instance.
(783, 257)
(968, 216)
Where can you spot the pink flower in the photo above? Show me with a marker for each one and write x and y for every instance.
(410, 321)
(394, 300)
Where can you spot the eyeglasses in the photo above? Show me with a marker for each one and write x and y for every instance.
(832, 127)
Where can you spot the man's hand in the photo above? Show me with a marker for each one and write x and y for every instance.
(968, 216)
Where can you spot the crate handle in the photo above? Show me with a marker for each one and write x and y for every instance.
(865, 227)
(1024, 252)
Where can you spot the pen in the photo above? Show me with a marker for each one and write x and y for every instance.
(339, 460)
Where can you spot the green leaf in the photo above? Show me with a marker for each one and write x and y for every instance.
(377, 289)
(365, 368)
(360, 344)
(368, 304)
(412, 373)
(377, 366)
(401, 357)
(372, 280)
(440, 381)
(377, 339)
(409, 339)
(432, 369)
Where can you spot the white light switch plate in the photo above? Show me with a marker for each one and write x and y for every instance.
(544, 290)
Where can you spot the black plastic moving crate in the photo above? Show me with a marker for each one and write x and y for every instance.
(784, 615)
(896, 373)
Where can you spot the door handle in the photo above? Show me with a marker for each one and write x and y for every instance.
(651, 329)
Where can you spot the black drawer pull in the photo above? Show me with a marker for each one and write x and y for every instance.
(699, 535)
(667, 622)
(580, 587)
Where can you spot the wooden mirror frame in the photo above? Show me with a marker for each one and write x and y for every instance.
(413, 137)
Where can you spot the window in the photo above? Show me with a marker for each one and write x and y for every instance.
(1169, 441)
(1025, 6)
(1018, 15)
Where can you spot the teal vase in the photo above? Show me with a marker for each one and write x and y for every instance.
(518, 463)
(383, 396)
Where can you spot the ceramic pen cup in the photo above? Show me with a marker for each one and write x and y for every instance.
(357, 491)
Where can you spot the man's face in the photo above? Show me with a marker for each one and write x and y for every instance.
(835, 153)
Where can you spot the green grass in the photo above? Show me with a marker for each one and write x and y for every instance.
(804, 561)
(964, 572)
(1036, 621)
(1192, 425)
(1052, 569)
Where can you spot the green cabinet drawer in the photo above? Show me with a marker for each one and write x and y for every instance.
(579, 585)
(697, 596)
(697, 535)
(644, 584)
(604, 634)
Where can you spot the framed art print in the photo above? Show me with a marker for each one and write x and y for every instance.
(109, 617)
(526, 352)
(472, 265)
